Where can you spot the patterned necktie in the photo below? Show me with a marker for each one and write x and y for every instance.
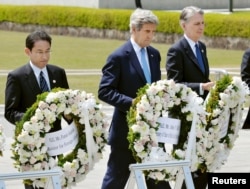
(43, 84)
(145, 66)
(199, 58)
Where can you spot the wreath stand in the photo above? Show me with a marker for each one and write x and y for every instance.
(136, 170)
(54, 176)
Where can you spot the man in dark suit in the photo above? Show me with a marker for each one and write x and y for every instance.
(245, 76)
(182, 64)
(23, 83)
(187, 63)
(122, 76)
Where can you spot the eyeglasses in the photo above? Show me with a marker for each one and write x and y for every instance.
(41, 53)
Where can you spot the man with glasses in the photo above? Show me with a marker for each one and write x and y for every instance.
(37, 76)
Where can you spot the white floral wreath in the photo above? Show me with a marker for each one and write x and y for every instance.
(225, 105)
(2, 140)
(29, 150)
(154, 101)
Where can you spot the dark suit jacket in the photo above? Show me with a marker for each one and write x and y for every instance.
(245, 76)
(122, 77)
(182, 66)
(22, 89)
(245, 67)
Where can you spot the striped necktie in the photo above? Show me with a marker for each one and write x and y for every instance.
(43, 84)
(145, 65)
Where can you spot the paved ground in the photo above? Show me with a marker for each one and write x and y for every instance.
(238, 161)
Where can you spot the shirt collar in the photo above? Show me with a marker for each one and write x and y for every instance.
(38, 70)
(136, 47)
(190, 41)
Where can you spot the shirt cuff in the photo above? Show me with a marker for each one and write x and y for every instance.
(201, 90)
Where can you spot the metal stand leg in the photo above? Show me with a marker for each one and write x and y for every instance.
(53, 174)
(137, 176)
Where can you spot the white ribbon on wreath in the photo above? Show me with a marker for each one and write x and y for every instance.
(91, 147)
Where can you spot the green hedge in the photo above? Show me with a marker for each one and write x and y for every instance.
(236, 24)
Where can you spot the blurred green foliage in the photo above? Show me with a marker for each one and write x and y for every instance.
(217, 24)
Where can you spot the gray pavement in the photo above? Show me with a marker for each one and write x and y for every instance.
(238, 161)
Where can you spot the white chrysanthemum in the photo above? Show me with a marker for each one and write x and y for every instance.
(159, 175)
(139, 147)
(180, 153)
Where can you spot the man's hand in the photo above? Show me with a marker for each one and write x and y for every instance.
(207, 86)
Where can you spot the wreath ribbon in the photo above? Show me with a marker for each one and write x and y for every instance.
(89, 136)
(192, 138)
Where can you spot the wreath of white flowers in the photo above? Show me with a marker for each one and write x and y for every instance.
(2, 140)
(29, 150)
(225, 105)
(164, 97)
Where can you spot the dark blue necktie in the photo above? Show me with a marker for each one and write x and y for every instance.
(145, 66)
(43, 84)
(199, 58)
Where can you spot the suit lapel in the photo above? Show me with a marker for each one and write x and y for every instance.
(134, 61)
(31, 79)
(52, 79)
(191, 55)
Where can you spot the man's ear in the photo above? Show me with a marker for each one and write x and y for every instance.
(27, 51)
(182, 24)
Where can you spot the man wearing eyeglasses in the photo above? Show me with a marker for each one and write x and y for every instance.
(37, 76)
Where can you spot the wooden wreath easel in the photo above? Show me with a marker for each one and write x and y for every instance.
(136, 170)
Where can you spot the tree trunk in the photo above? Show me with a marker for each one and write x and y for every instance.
(230, 5)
